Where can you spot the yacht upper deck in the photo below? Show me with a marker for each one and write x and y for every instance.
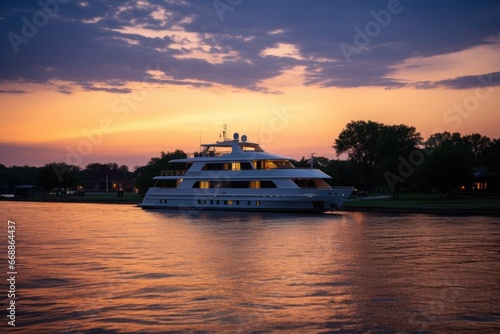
(230, 150)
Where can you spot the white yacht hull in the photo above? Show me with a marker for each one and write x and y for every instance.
(314, 200)
(239, 175)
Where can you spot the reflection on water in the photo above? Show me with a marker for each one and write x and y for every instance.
(116, 268)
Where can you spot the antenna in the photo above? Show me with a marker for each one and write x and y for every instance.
(259, 130)
(224, 132)
(312, 160)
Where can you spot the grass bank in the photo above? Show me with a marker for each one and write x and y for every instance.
(407, 203)
(429, 203)
(88, 198)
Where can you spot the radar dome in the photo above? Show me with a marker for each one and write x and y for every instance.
(244, 138)
(236, 136)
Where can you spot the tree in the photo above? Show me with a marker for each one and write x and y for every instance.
(491, 158)
(89, 170)
(13, 176)
(112, 165)
(492, 155)
(376, 148)
(58, 175)
(449, 165)
(342, 172)
(144, 175)
(476, 144)
(439, 139)
(318, 162)
(397, 144)
(359, 140)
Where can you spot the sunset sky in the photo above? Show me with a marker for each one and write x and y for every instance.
(116, 81)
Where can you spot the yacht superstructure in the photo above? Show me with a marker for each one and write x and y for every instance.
(240, 175)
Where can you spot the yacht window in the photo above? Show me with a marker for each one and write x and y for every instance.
(228, 166)
(202, 184)
(311, 183)
(167, 183)
(250, 147)
(254, 184)
(261, 184)
(245, 165)
(234, 184)
(215, 166)
(305, 183)
(267, 184)
(272, 164)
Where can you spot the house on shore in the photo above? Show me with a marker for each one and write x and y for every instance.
(109, 179)
(26, 191)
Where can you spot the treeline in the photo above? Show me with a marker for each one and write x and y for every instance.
(59, 176)
(55, 176)
(397, 157)
(379, 158)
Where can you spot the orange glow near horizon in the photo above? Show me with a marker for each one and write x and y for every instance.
(300, 120)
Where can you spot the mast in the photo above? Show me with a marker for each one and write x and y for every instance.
(312, 160)
(224, 132)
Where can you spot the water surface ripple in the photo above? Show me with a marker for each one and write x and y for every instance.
(87, 268)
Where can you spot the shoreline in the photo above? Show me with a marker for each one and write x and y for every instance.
(448, 211)
(73, 199)
(413, 209)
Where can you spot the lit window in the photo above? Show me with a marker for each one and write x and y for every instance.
(254, 184)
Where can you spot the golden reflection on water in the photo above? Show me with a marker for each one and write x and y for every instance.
(86, 267)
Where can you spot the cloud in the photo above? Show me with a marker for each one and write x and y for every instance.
(87, 45)
(27, 154)
(91, 87)
(12, 91)
(471, 81)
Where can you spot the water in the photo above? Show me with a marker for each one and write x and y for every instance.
(87, 268)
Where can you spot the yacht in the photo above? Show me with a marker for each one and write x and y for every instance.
(239, 175)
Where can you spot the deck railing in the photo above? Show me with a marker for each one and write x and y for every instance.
(208, 154)
(173, 172)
